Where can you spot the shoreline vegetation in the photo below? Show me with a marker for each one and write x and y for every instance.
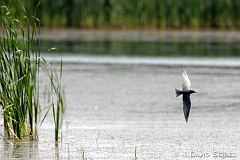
(20, 66)
(140, 14)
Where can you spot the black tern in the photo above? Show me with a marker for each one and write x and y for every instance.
(186, 91)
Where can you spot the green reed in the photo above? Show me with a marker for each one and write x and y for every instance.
(56, 96)
(20, 65)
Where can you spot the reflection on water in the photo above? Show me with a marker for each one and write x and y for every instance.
(56, 152)
(19, 150)
(29, 150)
(139, 48)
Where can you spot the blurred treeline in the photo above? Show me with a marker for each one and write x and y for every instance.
(137, 14)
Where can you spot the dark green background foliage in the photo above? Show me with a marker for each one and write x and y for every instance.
(153, 14)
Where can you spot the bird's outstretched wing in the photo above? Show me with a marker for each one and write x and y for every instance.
(186, 106)
(186, 84)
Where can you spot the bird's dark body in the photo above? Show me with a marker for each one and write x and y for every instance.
(184, 92)
(186, 101)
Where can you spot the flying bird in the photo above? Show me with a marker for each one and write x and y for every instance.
(186, 91)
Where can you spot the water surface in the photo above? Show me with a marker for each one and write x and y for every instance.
(143, 48)
(120, 98)
(114, 109)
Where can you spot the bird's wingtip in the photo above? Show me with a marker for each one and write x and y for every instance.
(186, 118)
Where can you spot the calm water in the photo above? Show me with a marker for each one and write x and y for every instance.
(113, 109)
(120, 98)
(140, 48)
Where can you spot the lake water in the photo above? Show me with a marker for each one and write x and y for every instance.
(114, 108)
(119, 106)
(143, 48)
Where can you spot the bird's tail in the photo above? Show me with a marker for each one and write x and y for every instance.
(178, 92)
